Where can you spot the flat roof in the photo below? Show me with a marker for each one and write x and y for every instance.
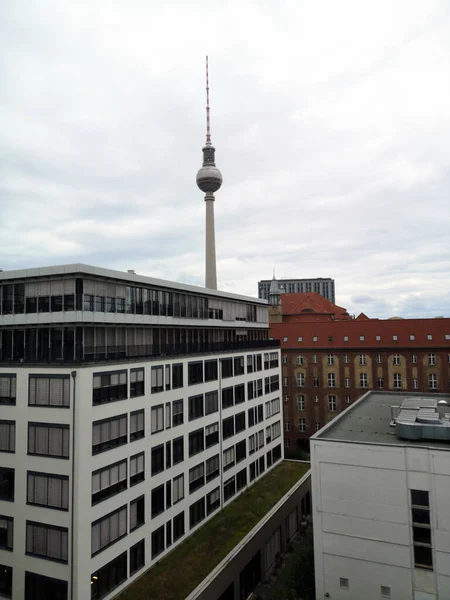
(367, 421)
(176, 575)
(79, 268)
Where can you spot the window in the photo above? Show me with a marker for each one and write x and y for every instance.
(177, 414)
(229, 489)
(287, 443)
(158, 541)
(396, 360)
(284, 360)
(228, 458)
(45, 439)
(299, 339)
(316, 426)
(213, 501)
(137, 470)
(211, 435)
(331, 380)
(332, 403)
(107, 530)
(239, 422)
(195, 372)
(314, 338)
(108, 387)
(316, 399)
(109, 577)
(301, 402)
(196, 408)
(211, 402)
(330, 359)
(276, 430)
(6, 534)
(429, 337)
(385, 591)
(363, 380)
(421, 524)
(178, 526)
(302, 425)
(347, 382)
(432, 359)
(343, 583)
(397, 381)
(106, 482)
(362, 359)
(239, 368)
(177, 376)
(286, 425)
(241, 451)
(45, 390)
(7, 389)
(395, 338)
(211, 370)
(178, 450)
(285, 339)
(299, 359)
(178, 488)
(315, 382)
(6, 581)
(412, 337)
(347, 399)
(136, 383)
(157, 459)
(47, 541)
(196, 442)
(196, 512)
(433, 381)
(157, 374)
(137, 513)
(137, 557)
(228, 427)
(314, 358)
(300, 379)
(345, 338)
(137, 425)
(239, 393)
(196, 477)
(414, 359)
(212, 468)
(285, 381)
(157, 418)
(6, 484)
(378, 338)
(415, 383)
(346, 358)
(380, 383)
(379, 359)
(7, 436)
(227, 397)
(109, 433)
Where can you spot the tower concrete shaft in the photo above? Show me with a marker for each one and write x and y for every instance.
(210, 244)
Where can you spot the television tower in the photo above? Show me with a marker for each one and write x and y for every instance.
(209, 180)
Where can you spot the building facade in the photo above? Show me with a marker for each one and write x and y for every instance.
(329, 360)
(323, 286)
(131, 410)
(380, 501)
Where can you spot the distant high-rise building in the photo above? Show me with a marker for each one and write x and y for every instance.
(323, 286)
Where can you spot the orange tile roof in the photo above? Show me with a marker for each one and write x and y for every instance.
(310, 302)
(363, 333)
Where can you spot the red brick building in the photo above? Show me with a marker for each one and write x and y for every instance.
(330, 359)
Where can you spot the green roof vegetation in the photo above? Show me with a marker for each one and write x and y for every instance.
(179, 573)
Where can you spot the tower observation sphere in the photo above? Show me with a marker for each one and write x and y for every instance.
(209, 178)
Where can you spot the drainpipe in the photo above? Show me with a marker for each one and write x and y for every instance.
(72, 515)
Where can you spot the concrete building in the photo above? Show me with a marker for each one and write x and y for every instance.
(131, 410)
(380, 486)
(321, 285)
(330, 359)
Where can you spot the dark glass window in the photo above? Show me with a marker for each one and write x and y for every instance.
(39, 587)
(178, 526)
(157, 459)
(137, 430)
(109, 481)
(31, 305)
(177, 376)
(211, 371)
(239, 422)
(137, 468)
(47, 541)
(212, 434)
(211, 402)
(109, 387)
(157, 379)
(6, 532)
(239, 368)
(196, 477)
(137, 557)
(423, 557)
(213, 501)
(212, 468)
(241, 451)
(137, 513)
(57, 303)
(6, 484)
(420, 498)
(44, 304)
(227, 428)
(7, 436)
(158, 501)
(6, 581)
(227, 397)
(178, 450)
(196, 409)
(239, 393)
(196, 442)
(196, 512)
(177, 413)
(227, 367)
(229, 489)
(195, 372)
(69, 302)
(109, 433)
(158, 541)
(136, 383)
(168, 534)
(7, 389)
(108, 577)
(108, 530)
(241, 479)
(276, 453)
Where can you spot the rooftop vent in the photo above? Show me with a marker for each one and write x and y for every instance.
(423, 419)
(132, 271)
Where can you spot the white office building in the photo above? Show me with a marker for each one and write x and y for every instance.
(381, 488)
(322, 285)
(131, 410)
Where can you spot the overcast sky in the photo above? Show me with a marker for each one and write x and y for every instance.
(331, 122)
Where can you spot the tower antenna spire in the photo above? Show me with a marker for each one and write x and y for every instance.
(208, 122)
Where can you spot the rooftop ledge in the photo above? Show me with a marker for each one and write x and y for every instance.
(181, 571)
